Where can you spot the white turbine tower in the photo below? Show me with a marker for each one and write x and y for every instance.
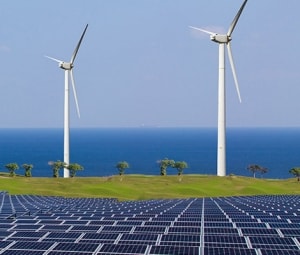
(68, 67)
(222, 40)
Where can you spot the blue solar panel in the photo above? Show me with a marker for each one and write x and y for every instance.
(22, 252)
(271, 240)
(229, 251)
(259, 232)
(222, 231)
(32, 245)
(291, 232)
(139, 237)
(178, 250)
(26, 234)
(279, 252)
(76, 247)
(122, 249)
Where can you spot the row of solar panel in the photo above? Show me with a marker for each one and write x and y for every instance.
(75, 248)
(183, 226)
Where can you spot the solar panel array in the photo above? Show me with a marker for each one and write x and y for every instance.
(41, 225)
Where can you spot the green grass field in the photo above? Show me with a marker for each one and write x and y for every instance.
(138, 187)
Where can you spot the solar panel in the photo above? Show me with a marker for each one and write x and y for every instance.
(122, 249)
(191, 230)
(23, 245)
(150, 229)
(179, 250)
(76, 247)
(271, 240)
(136, 237)
(222, 231)
(23, 252)
(229, 251)
(291, 232)
(259, 232)
(279, 252)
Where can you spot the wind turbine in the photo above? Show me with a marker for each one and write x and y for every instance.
(222, 40)
(68, 67)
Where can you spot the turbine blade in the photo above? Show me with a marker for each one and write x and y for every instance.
(74, 92)
(54, 59)
(233, 70)
(236, 18)
(78, 45)
(202, 30)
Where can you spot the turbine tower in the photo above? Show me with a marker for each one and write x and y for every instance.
(222, 40)
(68, 67)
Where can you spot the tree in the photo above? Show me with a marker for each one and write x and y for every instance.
(56, 166)
(180, 165)
(27, 168)
(121, 166)
(73, 168)
(296, 172)
(12, 167)
(263, 171)
(257, 168)
(164, 164)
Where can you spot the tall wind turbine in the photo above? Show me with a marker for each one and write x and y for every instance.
(222, 40)
(68, 67)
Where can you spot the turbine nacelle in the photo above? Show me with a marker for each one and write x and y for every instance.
(65, 65)
(220, 38)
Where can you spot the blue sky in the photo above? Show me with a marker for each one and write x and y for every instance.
(140, 64)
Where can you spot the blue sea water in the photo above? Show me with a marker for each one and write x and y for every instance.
(98, 150)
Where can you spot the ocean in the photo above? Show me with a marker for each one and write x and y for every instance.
(99, 149)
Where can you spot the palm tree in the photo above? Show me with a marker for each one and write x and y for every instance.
(121, 166)
(180, 165)
(73, 168)
(27, 168)
(12, 167)
(296, 172)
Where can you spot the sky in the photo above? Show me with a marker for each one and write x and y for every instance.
(140, 65)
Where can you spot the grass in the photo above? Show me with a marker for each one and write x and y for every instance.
(138, 187)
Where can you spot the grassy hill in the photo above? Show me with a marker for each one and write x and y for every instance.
(137, 187)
